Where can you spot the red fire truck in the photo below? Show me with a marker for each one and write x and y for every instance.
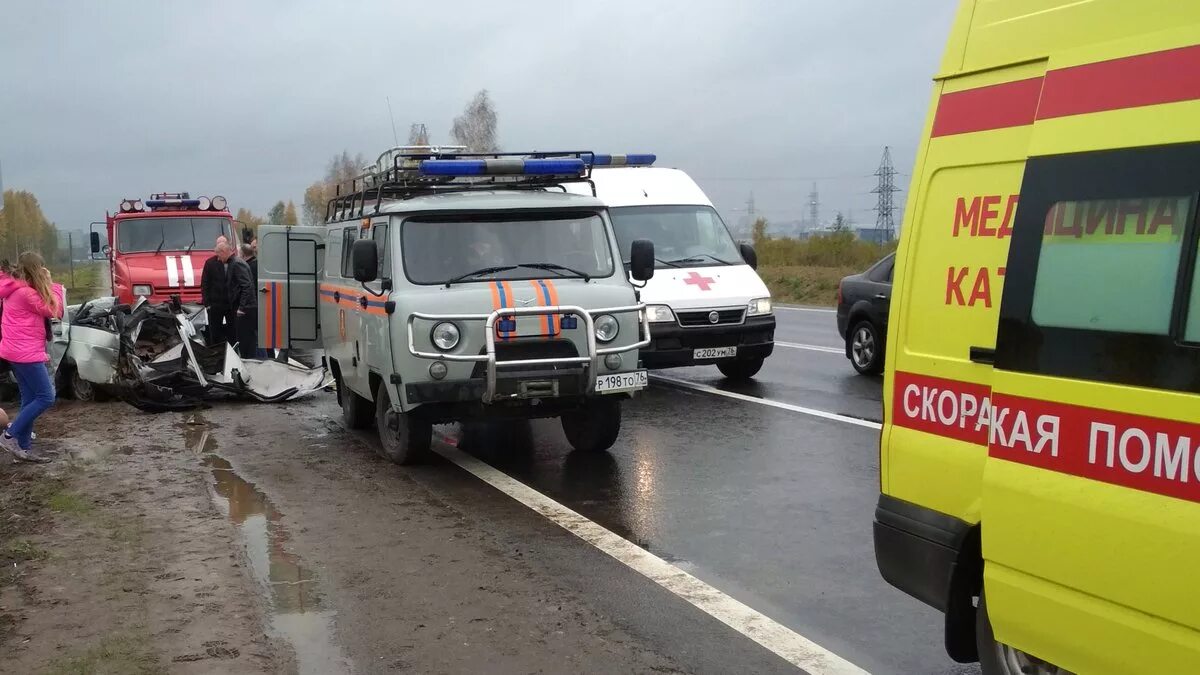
(157, 248)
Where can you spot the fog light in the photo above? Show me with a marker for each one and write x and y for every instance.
(437, 370)
(612, 361)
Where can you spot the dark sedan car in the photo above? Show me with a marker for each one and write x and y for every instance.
(862, 314)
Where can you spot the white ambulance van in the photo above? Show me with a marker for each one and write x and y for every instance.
(706, 304)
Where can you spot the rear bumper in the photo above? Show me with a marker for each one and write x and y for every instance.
(671, 346)
(917, 549)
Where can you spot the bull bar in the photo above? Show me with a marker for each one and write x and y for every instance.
(591, 360)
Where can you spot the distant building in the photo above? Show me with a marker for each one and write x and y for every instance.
(875, 235)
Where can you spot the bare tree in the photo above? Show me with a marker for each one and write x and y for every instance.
(476, 126)
(418, 134)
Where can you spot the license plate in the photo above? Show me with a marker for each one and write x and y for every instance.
(714, 353)
(619, 382)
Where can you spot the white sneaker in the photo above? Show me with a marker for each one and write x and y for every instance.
(10, 444)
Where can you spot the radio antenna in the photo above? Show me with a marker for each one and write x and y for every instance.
(392, 117)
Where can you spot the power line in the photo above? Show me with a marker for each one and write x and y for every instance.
(885, 208)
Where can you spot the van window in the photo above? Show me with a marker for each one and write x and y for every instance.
(379, 235)
(685, 236)
(1111, 264)
(349, 236)
(1191, 332)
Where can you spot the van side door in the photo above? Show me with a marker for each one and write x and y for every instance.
(1091, 490)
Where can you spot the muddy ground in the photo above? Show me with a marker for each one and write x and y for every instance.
(260, 539)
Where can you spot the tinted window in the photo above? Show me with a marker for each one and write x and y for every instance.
(1111, 264)
(349, 236)
(440, 248)
(1100, 272)
(1191, 332)
(685, 235)
(882, 270)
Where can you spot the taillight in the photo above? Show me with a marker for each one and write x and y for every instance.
(838, 299)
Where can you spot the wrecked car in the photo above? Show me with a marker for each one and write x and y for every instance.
(154, 357)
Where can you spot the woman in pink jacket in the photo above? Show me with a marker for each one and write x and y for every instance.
(29, 299)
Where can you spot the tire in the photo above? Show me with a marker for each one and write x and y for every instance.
(595, 426)
(740, 369)
(996, 658)
(404, 438)
(864, 345)
(81, 389)
(357, 412)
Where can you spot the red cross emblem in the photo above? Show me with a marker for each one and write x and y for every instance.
(701, 281)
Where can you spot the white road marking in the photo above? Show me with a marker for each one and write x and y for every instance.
(868, 424)
(815, 348)
(172, 272)
(806, 309)
(189, 274)
(779, 639)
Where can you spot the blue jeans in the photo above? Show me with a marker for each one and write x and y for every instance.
(37, 395)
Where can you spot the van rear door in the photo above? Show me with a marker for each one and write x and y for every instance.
(291, 260)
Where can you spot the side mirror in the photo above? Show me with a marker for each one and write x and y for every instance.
(364, 259)
(95, 241)
(749, 255)
(641, 259)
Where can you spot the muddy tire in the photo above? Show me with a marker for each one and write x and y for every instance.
(81, 389)
(357, 412)
(740, 369)
(404, 438)
(595, 426)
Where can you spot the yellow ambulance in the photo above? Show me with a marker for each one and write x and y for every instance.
(1040, 456)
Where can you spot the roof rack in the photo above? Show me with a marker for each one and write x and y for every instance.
(404, 172)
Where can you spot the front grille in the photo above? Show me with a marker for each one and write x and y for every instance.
(531, 349)
(701, 317)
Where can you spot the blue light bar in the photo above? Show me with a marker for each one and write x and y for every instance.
(502, 167)
(159, 203)
(642, 159)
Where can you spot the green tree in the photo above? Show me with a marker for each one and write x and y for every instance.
(275, 215)
(840, 224)
(24, 227)
(249, 221)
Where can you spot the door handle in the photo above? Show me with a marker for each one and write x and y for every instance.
(881, 296)
(263, 291)
(984, 355)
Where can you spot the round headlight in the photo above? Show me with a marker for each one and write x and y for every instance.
(445, 336)
(126, 206)
(138, 205)
(205, 202)
(219, 203)
(606, 327)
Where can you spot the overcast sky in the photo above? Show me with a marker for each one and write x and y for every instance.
(251, 99)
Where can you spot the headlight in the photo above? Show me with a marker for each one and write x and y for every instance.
(445, 336)
(219, 203)
(758, 307)
(659, 313)
(606, 327)
(143, 290)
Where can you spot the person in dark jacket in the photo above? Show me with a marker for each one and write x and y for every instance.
(214, 294)
(243, 300)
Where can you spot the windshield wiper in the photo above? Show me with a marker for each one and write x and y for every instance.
(699, 258)
(559, 269)
(658, 260)
(479, 272)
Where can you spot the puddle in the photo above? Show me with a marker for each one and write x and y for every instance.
(299, 613)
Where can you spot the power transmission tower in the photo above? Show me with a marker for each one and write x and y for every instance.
(418, 134)
(750, 206)
(885, 208)
(814, 208)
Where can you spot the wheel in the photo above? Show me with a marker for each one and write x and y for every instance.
(740, 369)
(404, 438)
(997, 658)
(357, 412)
(81, 389)
(866, 348)
(595, 426)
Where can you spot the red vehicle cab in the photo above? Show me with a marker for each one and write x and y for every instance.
(157, 249)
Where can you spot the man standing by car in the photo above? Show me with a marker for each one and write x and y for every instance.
(243, 300)
(214, 294)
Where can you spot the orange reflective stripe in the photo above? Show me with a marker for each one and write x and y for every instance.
(554, 303)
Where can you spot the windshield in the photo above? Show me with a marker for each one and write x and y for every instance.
(440, 248)
(137, 235)
(695, 234)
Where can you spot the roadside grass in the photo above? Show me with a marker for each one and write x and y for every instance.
(804, 285)
(69, 503)
(88, 284)
(118, 653)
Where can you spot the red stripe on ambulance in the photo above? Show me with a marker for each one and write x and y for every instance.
(1151, 454)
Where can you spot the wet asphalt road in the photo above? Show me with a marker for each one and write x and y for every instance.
(771, 506)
